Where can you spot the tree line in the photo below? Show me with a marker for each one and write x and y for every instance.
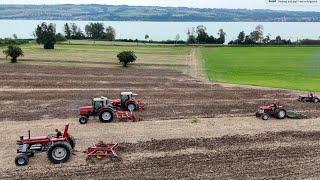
(257, 37)
(46, 33)
(199, 35)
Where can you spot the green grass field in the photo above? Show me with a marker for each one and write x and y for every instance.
(282, 67)
(85, 53)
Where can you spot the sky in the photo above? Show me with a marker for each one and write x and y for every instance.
(232, 4)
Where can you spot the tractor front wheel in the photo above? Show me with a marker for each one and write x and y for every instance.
(281, 113)
(21, 160)
(59, 152)
(265, 116)
(106, 116)
(83, 120)
(316, 100)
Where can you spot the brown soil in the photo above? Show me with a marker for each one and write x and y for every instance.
(289, 154)
(29, 92)
(168, 144)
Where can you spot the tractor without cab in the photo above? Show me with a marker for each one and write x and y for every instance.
(275, 109)
(59, 147)
(309, 98)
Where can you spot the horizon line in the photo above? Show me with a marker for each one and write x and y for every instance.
(160, 7)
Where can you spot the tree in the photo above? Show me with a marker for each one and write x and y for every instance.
(257, 34)
(278, 39)
(76, 32)
(110, 34)
(14, 52)
(191, 37)
(241, 37)
(126, 57)
(212, 40)
(202, 34)
(146, 37)
(95, 30)
(15, 36)
(177, 38)
(222, 36)
(267, 39)
(46, 35)
(67, 31)
(248, 40)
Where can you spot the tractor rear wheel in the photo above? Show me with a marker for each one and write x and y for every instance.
(21, 160)
(59, 152)
(131, 107)
(106, 116)
(265, 116)
(83, 120)
(281, 113)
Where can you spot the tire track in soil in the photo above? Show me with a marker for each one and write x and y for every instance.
(54, 96)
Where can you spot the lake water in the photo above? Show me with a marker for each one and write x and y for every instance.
(169, 30)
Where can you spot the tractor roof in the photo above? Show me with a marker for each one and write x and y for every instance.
(128, 93)
(100, 98)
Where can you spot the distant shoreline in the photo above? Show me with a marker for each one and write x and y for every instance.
(72, 20)
(96, 12)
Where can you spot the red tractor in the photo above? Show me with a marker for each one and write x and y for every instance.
(309, 98)
(58, 146)
(275, 110)
(107, 110)
(100, 107)
(127, 101)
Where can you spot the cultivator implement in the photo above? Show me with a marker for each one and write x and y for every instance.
(128, 116)
(295, 115)
(101, 151)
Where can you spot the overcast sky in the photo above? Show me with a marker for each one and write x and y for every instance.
(249, 4)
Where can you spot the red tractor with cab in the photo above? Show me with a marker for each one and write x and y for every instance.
(107, 109)
(275, 109)
(59, 147)
(127, 101)
(309, 98)
(100, 107)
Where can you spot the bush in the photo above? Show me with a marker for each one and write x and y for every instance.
(310, 42)
(60, 37)
(126, 57)
(14, 52)
(9, 41)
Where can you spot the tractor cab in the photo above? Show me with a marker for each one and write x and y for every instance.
(98, 103)
(126, 101)
(125, 96)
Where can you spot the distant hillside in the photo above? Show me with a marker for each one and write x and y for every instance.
(96, 12)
